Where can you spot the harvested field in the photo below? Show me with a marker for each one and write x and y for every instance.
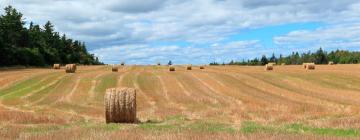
(219, 102)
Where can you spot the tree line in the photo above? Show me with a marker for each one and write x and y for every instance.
(318, 57)
(37, 46)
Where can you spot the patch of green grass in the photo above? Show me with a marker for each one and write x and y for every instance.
(211, 127)
(102, 126)
(252, 127)
(43, 129)
(300, 128)
(297, 128)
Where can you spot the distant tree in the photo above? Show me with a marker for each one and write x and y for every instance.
(36, 46)
(264, 60)
(170, 63)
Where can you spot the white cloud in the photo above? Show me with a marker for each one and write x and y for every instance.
(344, 36)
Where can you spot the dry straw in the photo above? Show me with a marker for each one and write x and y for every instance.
(171, 68)
(269, 67)
(70, 68)
(120, 105)
(56, 66)
(202, 67)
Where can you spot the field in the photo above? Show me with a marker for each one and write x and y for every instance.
(218, 102)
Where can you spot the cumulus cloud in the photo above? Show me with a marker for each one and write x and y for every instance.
(146, 54)
(344, 36)
(104, 24)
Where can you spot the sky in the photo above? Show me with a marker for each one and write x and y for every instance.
(198, 31)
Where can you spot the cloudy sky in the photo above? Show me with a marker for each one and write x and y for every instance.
(198, 31)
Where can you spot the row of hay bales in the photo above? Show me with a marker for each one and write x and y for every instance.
(172, 68)
(69, 68)
(308, 66)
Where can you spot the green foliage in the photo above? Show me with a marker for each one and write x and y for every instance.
(319, 57)
(36, 46)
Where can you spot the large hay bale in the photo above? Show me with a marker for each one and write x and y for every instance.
(56, 66)
(114, 68)
(70, 68)
(171, 68)
(310, 66)
(269, 67)
(202, 67)
(189, 68)
(120, 105)
(331, 63)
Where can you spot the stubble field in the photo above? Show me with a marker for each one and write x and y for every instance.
(218, 102)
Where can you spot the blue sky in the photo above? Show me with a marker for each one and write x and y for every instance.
(199, 31)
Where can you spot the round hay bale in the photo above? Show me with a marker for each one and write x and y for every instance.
(171, 68)
(159, 64)
(202, 67)
(56, 66)
(310, 66)
(122, 63)
(70, 68)
(331, 63)
(114, 68)
(120, 105)
(283, 64)
(269, 67)
(189, 68)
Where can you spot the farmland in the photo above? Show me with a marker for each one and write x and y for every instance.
(218, 102)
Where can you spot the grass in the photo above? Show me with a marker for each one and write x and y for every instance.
(297, 128)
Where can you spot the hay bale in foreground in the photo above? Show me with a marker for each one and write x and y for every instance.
(70, 68)
(114, 68)
(310, 66)
(171, 68)
(56, 66)
(189, 68)
(120, 105)
(202, 67)
(269, 67)
(331, 63)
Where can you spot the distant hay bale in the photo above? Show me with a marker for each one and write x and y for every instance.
(283, 64)
(56, 66)
(122, 63)
(331, 63)
(159, 64)
(269, 67)
(114, 68)
(202, 67)
(310, 66)
(70, 68)
(171, 68)
(189, 68)
(120, 105)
